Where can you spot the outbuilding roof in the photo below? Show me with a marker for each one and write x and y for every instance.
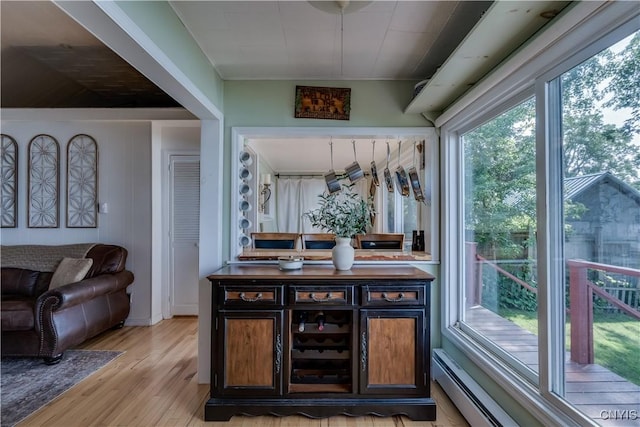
(575, 186)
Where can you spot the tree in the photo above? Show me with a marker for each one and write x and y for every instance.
(501, 156)
(606, 80)
(590, 146)
(625, 83)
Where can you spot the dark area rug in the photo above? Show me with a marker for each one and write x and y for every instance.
(27, 384)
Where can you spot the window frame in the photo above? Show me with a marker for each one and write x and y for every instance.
(578, 34)
(497, 351)
(239, 136)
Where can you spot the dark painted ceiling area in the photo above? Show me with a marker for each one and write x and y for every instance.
(50, 61)
(74, 77)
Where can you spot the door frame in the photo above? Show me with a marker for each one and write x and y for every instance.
(167, 288)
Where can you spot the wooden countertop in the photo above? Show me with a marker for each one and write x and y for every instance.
(324, 272)
(324, 255)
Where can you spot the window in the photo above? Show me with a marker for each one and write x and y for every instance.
(405, 214)
(500, 302)
(541, 240)
(601, 230)
(411, 217)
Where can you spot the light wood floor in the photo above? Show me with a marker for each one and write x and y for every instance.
(154, 383)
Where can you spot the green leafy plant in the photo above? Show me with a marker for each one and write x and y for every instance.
(343, 213)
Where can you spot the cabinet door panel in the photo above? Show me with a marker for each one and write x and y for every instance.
(392, 346)
(392, 351)
(252, 345)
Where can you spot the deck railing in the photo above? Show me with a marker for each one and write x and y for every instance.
(581, 292)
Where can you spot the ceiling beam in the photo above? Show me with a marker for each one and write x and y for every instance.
(503, 28)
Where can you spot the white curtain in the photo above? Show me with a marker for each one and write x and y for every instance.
(295, 196)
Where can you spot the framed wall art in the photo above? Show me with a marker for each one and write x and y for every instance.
(314, 102)
(9, 184)
(82, 182)
(43, 210)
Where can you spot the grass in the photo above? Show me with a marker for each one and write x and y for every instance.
(616, 339)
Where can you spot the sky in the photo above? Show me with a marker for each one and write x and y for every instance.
(618, 117)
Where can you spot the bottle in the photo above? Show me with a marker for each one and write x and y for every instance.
(414, 241)
(320, 319)
(302, 319)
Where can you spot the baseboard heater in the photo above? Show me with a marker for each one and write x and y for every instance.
(475, 404)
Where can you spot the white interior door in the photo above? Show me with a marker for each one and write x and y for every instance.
(184, 233)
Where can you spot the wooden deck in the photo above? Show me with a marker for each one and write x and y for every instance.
(592, 389)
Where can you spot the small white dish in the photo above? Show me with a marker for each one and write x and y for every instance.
(290, 263)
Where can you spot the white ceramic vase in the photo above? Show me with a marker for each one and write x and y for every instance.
(343, 253)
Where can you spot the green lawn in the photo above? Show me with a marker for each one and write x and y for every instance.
(616, 340)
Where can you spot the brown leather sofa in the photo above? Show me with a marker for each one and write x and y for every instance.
(42, 322)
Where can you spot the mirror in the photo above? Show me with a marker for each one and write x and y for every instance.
(285, 171)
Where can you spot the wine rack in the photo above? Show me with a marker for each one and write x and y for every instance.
(321, 351)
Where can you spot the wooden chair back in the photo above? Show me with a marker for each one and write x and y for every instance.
(380, 241)
(275, 240)
(318, 240)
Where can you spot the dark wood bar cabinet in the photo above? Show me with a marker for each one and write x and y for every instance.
(320, 342)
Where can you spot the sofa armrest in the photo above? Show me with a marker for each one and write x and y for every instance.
(84, 290)
(54, 303)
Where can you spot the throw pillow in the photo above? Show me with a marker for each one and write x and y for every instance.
(70, 270)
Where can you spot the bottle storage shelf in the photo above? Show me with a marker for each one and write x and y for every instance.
(311, 329)
(322, 342)
(319, 354)
(318, 376)
(320, 388)
(321, 351)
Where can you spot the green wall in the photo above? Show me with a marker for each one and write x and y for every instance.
(271, 103)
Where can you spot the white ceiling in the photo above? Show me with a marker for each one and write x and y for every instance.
(313, 40)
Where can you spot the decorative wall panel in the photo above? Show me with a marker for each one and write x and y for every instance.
(43, 209)
(9, 185)
(82, 182)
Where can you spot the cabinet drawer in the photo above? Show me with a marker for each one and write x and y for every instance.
(252, 295)
(393, 295)
(325, 295)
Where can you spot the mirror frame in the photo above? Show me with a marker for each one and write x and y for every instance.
(240, 134)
